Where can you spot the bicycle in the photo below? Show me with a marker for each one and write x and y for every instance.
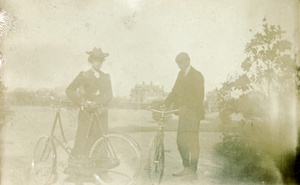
(156, 157)
(118, 148)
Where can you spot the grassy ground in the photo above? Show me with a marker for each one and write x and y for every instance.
(29, 123)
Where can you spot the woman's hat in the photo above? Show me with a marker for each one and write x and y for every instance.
(97, 53)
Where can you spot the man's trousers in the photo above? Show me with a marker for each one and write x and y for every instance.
(188, 139)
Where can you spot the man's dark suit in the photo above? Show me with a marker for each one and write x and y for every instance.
(188, 92)
(96, 90)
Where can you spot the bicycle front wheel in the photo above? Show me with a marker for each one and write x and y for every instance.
(156, 160)
(44, 161)
(120, 155)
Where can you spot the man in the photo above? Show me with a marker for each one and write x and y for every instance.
(89, 89)
(187, 95)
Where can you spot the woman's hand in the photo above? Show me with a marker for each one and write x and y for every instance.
(88, 104)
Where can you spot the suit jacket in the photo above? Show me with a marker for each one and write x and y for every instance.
(94, 89)
(188, 91)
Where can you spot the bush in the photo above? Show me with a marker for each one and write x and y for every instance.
(296, 166)
(243, 162)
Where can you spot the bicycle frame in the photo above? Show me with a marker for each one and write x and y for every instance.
(108, 145)
(165, 115)
(65, 145)
(156, 158)
(163, 119)
(103, 156)
(160, 132)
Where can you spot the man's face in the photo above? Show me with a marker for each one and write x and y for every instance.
(97, 63)
(183, 64)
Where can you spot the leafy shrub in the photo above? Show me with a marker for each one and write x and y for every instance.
(296, 166)
(243, 162)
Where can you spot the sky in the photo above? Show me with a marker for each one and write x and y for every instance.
(49, 44)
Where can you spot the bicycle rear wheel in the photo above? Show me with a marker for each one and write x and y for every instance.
(120, 156)
(156, 160)
(44, 161)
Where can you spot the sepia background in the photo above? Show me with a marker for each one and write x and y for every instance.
(45, 48)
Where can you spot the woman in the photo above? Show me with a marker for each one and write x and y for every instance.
(89, 89)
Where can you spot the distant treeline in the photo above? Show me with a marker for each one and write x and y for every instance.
(23, 97)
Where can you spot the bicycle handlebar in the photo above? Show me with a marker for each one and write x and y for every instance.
(88, 104)
(60, 101)
(164, 111)
(164, 114)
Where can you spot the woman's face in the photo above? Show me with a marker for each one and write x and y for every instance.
(97, 63)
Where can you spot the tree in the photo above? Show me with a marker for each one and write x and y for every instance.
(298, 80)
(270, 69)
(4, 111)
(269, 65)
(227, 104)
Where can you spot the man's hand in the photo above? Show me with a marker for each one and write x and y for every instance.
(162, 107)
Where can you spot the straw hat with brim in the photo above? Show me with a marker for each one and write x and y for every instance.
(97, 53)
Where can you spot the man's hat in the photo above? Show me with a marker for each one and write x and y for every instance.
(97, 53)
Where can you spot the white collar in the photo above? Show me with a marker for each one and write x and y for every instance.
(96, 73)
(187, 70)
